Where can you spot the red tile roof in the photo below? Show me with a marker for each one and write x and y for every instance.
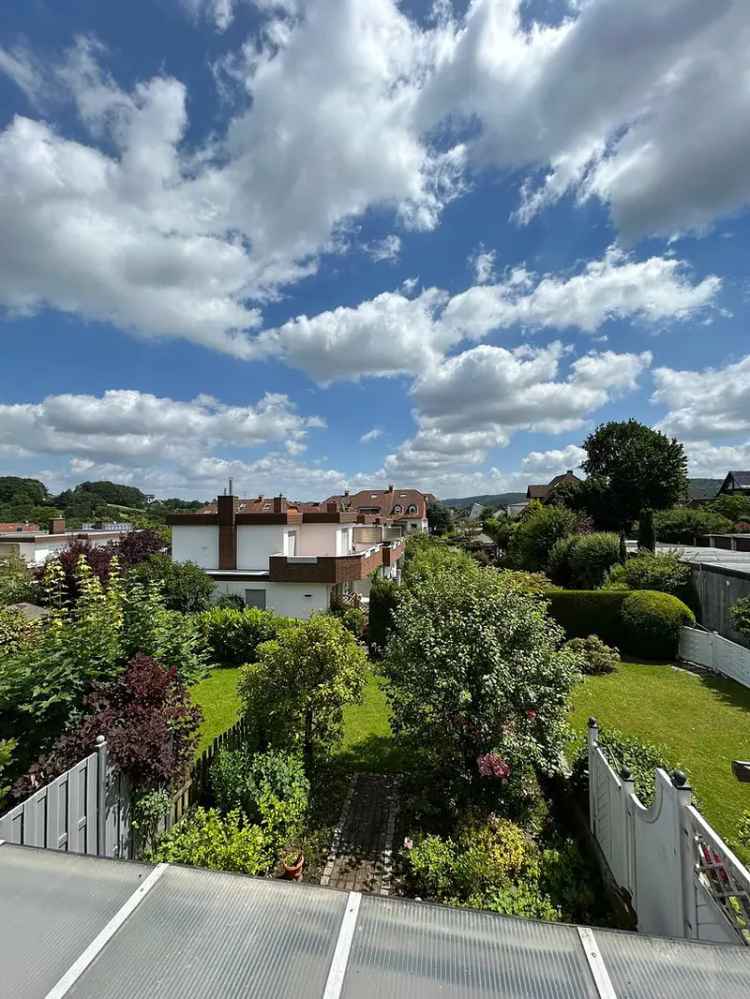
(394, 503)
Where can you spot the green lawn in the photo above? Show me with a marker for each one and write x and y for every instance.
(704, 722)
(217, 697)
(367, 744)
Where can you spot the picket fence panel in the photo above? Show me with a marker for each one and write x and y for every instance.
(709, 649)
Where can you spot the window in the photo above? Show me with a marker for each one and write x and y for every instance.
(256, 598)
(291, 544)
(412, 509)
(398, 508)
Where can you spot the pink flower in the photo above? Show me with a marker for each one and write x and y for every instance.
(493, 765)
(408, 843)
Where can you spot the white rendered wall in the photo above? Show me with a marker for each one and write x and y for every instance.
(196, 544)
(290, 599)
(255, 544)
(317, 539)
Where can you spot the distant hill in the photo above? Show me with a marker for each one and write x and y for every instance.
(703, 489)
(499, 499)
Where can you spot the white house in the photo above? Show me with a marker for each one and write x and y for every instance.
(286, 557)
(35, 547)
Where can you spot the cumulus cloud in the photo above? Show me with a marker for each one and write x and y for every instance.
(711, 460)
(136, 427)
(396, 334)
(711, 403)
(477, 400)
(553, 462)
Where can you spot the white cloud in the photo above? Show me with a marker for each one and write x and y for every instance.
(395, 334)
(127, 426)
(710, 460)
(634, 103)
(482, 262)
(388, 248)
(547, 464)
(711, 403)
(371, 435)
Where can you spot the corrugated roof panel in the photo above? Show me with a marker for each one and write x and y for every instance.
(644, 967)
(54, 904)
(409, 949)
(201, 934)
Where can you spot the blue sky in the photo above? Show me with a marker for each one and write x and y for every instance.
(238, 237)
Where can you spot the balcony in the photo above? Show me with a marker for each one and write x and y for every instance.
(326, 568)
(392, 552)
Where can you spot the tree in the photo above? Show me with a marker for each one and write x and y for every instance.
(684, 525)
(16, 581)
(185, 586)
(294, 695)
(383, 601)
(636, 470)
(475, 670)
(439, 518)
(537, 531)
(734, 507)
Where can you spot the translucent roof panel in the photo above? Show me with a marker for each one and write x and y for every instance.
(409, 949)
(53, 905)
(200, 933)
(644, 967)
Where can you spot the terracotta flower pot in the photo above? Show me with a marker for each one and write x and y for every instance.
(294, 870)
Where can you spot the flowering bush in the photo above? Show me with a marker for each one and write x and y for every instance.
(475, 672)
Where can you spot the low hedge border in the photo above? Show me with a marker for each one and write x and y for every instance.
(641, 623)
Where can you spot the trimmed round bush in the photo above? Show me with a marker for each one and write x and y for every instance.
(233, 636)
(651, 623)
(590, 558)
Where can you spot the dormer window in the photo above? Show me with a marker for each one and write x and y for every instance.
(398, 508)
(412, 509)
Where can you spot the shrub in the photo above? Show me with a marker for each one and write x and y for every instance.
(740, 615)
(533, 583)
(233, 636)
(270, 789)
(15, 631)
(652, 622)
(148, 719)
(664, 572)
(582, 561)
(16, 581)
(205, 838)
(589, 612)
(185, 586)
(354, 620)
(384, 595)
(137, 546)
(641, 758)
(491, 865)
(230, 601)
(473, 668)
(683, 525)
(597, 657)
(6, 752)
(294, 695)
(733, 506)
(538, 530)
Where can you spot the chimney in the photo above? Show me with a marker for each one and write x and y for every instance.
(346, 492)
(227, 511)
(57, 525)
(390, 489)
(569, 471)
(279, 504)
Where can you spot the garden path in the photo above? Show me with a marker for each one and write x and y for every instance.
(361, 852)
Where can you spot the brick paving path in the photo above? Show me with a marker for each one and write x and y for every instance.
(361, 855)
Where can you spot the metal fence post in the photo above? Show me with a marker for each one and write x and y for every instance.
(101, 796)
(593, 742)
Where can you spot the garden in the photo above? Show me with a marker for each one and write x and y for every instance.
(471, 683)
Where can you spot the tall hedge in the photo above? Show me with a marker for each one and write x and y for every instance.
(589, 612)
(642, 623)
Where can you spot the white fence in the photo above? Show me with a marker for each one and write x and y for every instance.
(681, 878)
(84, 810)
(707, 648)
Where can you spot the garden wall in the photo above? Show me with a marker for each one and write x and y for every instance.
(718, 590)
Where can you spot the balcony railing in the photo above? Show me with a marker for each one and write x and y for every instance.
(325, 568)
